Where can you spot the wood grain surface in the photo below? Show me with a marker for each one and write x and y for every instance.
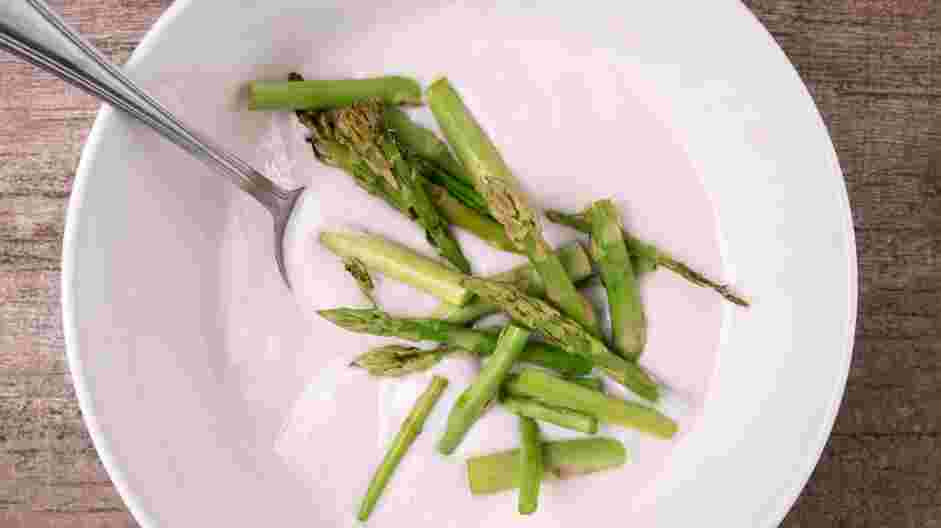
(874, 69)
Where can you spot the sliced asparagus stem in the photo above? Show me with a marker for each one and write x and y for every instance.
(573, 258)
(472, 402)
(483, 227)
(320, 94)
(399, 360)
(650, 253)
(360, 274)
(532, 383)
(560, 416)
(398, 262)
(406, 436)
(424, 143)
(628, 323)
(539, 315)
(531, 466)
(479, 342)
(493, 179)
(562, 460)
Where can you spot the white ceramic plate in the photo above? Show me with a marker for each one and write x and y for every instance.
(217, 398)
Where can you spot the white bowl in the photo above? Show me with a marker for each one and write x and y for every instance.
(215, 397)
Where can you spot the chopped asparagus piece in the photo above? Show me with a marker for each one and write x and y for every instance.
(562, 460)
(562, 331)
(479, 342)
(406, 436)
(472, 402)
(493, 179)
(320, 94)
(560, 416)
(398, 262)
(651, 256)
(628, 323)
(531, 466)
(532, 383)
(573, 258)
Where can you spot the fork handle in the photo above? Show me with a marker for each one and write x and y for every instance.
(30, 30)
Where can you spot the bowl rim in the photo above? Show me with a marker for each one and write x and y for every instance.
(782, 504)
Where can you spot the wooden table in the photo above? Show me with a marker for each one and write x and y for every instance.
(874, 68)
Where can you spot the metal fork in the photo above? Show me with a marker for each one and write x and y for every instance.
(30, 30)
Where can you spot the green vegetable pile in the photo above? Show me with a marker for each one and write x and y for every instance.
(358, 127)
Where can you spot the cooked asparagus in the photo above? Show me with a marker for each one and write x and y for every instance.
(560, 416)
(398, 262)
(564, 332)
(406, 436)
(530, 464)
(479, 342)
(573, 258)
(628, 323)
(532, 383)
(562, 460)
(493, 179)
(472, 402)
(651, 254)
(320, 94)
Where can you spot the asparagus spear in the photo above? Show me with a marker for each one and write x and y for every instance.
(380, 167)
(357, 269)
(398, 262)
(539, 315)
(628, 324)
(563, 460)
(319, 94)
(410, 430)
(399, 360)
(560, 416)
(472, 402)
(531, 466)
(652, 255)
(478, 342)
(492, 179)
(573, 258)
(425, 143)
(483, 227)
(532, 383)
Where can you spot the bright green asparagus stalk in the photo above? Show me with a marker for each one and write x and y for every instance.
(399, 360)
(358, 134)
(406, 436)
(360, 274)
(651, 255)
(483, 227)
(532, 383)
(563, 460)
(573, 258)
(479, 342)
(628, 323)
(472, 402)
(562, 331)
(424, 143)
(398, 262)
(560, 416)
(531, 466)
(462, 192)
(493, 179)
(415, 193)
(321, 94)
